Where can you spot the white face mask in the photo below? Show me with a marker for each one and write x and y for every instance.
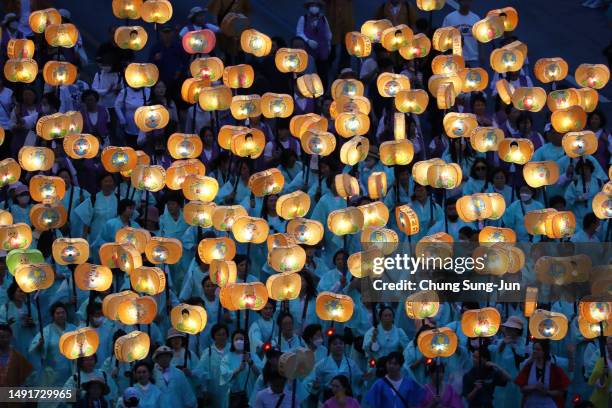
(313, 9)
(525, 197)
(317, 342)
(239, 345)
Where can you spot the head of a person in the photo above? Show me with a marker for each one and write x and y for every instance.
(107, 183)
(479, 104)
(499, 178)
(239, 339)
(558, 203)
(420, 192)
(386, 316)
(58, 313)
(95, 388)
(65, 175)
(175, 340)
(163, 357)
(512, 327)
(94, 312)
(526, 193)
(340, 259)
(142, 372)
(524, 123)
(479, 169)
(268, 310)
(209, 288)
(288, 158)
(554, 137)
(6, 334)
(130, 397)
(90, 99)
(464, 6)
(541, 350)
(87, 364)
(285, 323)
(198, 16)
(174, 203)
(167, 34)
(242, 265)
(451, 209)
(341, 387)
(274, 379)
(314, 7)
(28, 97)
(15, 293)
(481, 355)
(125, 208)
(298, 42)
(313, 335)
(49, 103)
(220, 334)
(22, 196)
(586, 168)
(394, 363)
(336, 345)
(160, 88)
(596, 120)
(207, 136)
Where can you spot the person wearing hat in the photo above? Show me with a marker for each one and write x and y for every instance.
(313, 27)
(130, 398)
(88, 372)
(197, 21)
(177, 342)
(95, 390)
(172, 382)
(21, 209)
(23, 9)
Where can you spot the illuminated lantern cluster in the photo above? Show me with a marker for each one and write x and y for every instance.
(549, 222)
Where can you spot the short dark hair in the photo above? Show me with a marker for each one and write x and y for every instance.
(310, 331)
(56, 306)
(217, 327)
(397, 356)
(123, 204)
(588, 220)
(236, 332)
(90, 92)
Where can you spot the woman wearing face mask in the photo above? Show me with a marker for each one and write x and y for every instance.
(23, 120)
(514, 217)
(208, 370)
(313, 337)
(107, 83)
(21, 209)
(238, 372)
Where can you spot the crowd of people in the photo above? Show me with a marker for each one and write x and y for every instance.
(373, 359)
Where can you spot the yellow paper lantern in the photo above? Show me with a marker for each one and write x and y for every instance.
(191, 88)
(111, 302)
(250, 229)
(509, 16)
(594, 76)
(577, 144)
(318, 143)
(476, 207)
(357, 44)
(33, 277)
(535, 221)
(299, 124)
(480, 322)
(293, 205)
(116, 159)
(349, 104)
(588, 99)
(33, 158)
(139, 310)
(279, 240)
(305, 231)
(245, 106)
(296, 364)
(225, 216)
(61, 35)
(437, 81)
(243, 296)
(361, 264)
(48, 216)
(291, 60)
(93, 277)
(345, 221)
(430, 5)
(373, 29)
(602, 205)
(346, 87)
(47, 188)
(284, 286)
(137, 237)
(375, 214)
(572, 119)
(538, 174)
(132, 347)
(156, 11)
(349, 124)
(227, 132)
(459, 124)
(562, 98)
(474, 79)
(593, 330)
(285, 259)
(548, 325)
(445, 97)
(199, 214)
(53, 126)
(436, 245)
(149, 118)
(141, 75)
(418, 47)
(200, 188)
(20, 70)
(199, 41)
(248, 144)
(127, 9)
(162, 250)
(82, 146)
(39, 20)
(310, 86)
(421, 168)
(255, 43)
(447, 176)
(446, 38)
(346, 185)
(594, 310)
(141, 159)
(563, 270)
(238, 76)
(180, 169)
(518, 151)
(276, 105)
(184, 146)
(407, 220)
(412, 101)
(334, 307)
(389, 84)
(20, 48)
(6, 218)
(506, 59)
(122, 256)
(396, 152)
(486, 139)
(531, 301)
(548, 70)
(377, 185)
(131, 38)
(447, 64)
(435, 343)
(489, 235)
(79, 343)
(489, 28)
(505, 91)
(188, 319)
(210, 68)
(560, 224)
(422, 305)
(150, 178)
(234, 24)
(529, 99)
(394, 38)
(383, 239)
(496, 261)
(210, 249)
(148, 280)
(223, 272)
(15, 236)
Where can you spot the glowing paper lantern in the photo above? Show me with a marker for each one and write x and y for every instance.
(310, 86)
(435, 343)
(418, 47)
(548, 70)
(149, 118)
(305, 231)
(223, 272)
(132, 347)
(476, 207)
(375, 214)
(349, 124)
(6, 218)
(486, 139)
(250, 229)
(199, 42)
(407, 220)
(276, 105)
(384, 239)
(480, 322)
(447, 64)
(505, 91)
(602, 205)
(318, 143)
(284, 286)
(396, 152)
(20, 48)
(139, 310)
(156, 11)
(131, 38)
(334, 307)
(82, 146)
(594, 76)
(15, 236)
(577, 144)
(20, 70)
(446, 38)
(389, 84)
(508, 15)
(345, 221)
(255, 43)
(116, 159)
(296, 364)
(446, 176)
(459, 124)
(248, 144)
(572, 119)
(200, 188)
(45, 188)
(184, 146)
(199, 214)
(588, 99)
(422, 305)
(111, 302)
(374, 29)
(234, 24)
(210, 249)
(279, 240)
(150, 178)
(563, 270)
(210, 68)
(291, 60)
(227, 133)
(563, 98)
(593, 310)
(445, 97)
(412, 101)
(349, 104)
(180, 169)
(242, 296)
(346, 185)
(491, 234)
(548, 325)
(141, 75)
(287, 259)
(421, 168)
(52, 127)
(437, 81)
(48, 216)
(293, 205)
(148, 280)
(33, 277)
(17, 257)
(377, 185)
(33, 158)
(538, 174)
(137, 237)
(474, 79)
(361, 264)
(39, 20)
(79, 343)
(238, 76)
(162, 250)
(506, 59)
(122, 256)
(245, 106)
(191, 88)
(93, 277)
(225, 216)
(593, 330)
(127, 9)
(394, 38)
(61, 35)
(357, 44)
(488, 29)
(529, 99)
(518, 151)
(188, 319)
(346, 87)
(299, 124)
(531, 301)
(430, 5)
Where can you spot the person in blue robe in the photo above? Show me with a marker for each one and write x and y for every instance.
(73, 197)
(238, 373)
(208, 370)
(149, 394)
(173, 384)
(514, 217)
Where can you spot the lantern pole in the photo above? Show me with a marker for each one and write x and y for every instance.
(602, 344)
(294, 386)
(186, 349)
(72, 268)
(38, 313)
(29, 305)
(584, 189)
(545, 197)
(444, 206)
(132, 373)
(167, 289)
